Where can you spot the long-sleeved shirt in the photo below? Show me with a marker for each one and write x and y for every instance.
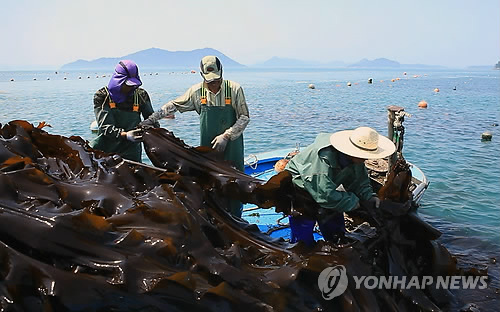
(317, 170)
(191, 100)
(107, 123)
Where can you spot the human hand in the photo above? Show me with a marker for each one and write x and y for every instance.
(147, 123)
(134, 135)
(219, 142)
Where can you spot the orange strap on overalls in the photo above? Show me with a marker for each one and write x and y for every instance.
(227, 94)
(135, 108)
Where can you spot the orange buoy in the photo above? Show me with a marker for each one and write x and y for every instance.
(280, 165)
(393, 80)
(422, 104)
(436, 90)
(193, 72)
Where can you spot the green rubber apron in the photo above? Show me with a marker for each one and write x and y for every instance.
(214, 120)
(127, 120)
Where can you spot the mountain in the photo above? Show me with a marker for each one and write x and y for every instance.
(279, 62)
(155, 58)
(380, 62)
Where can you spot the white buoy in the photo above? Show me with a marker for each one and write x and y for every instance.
(486, 136)
(349, 84)
(311, 86)
(93, 127)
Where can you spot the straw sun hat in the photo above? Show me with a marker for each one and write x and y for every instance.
(362, 142)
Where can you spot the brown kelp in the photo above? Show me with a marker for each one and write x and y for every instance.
(82, 230)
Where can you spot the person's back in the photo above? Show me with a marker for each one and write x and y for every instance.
(332, 171)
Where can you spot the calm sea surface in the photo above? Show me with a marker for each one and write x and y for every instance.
(443, 140)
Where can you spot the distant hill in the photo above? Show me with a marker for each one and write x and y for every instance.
(279, 62)
(380, 62)
(155, 58)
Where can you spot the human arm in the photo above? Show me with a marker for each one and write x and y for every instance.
(183, 103)
(146, 107)
(242, 115)
(327, 194)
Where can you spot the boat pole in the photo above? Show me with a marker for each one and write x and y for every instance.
(392, 135)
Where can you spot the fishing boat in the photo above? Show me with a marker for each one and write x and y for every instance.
(266, 164)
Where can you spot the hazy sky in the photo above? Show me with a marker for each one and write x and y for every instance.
(50, 33)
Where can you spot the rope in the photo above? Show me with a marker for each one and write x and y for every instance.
(253, 164)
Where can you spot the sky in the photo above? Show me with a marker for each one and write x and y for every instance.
(46, 34)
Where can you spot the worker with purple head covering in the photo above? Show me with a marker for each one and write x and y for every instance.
(118, 109)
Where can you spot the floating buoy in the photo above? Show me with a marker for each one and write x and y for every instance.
(93, 127)
(398, 78)
(349, 84)
(34, 78)
(88, 77)
(56, 73)
(156, 74)
(455, 88)
(370, 80)
(404, 74)
(393, 80)
(193, 72)
(436, 90)
(11, 79)
(65, 78)
(48, 78)
(422, 104)
(486, 136)
(280, 165)
(79, 77)
(311, 86)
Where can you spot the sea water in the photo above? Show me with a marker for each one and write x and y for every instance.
(444, 140)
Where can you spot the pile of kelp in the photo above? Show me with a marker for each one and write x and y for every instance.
(82, 230)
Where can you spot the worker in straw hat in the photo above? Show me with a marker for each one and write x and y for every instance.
(333, 172)
(223, 114)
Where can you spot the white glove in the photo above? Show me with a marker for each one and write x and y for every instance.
(375, 201)
(219, 143)
(134, 135)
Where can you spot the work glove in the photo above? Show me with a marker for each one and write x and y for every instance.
(147, 123)
(134, 135)
(219, 143)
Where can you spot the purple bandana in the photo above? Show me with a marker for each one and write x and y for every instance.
(125, 72)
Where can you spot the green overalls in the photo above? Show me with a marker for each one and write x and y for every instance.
(214, 120)
(127, 120)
